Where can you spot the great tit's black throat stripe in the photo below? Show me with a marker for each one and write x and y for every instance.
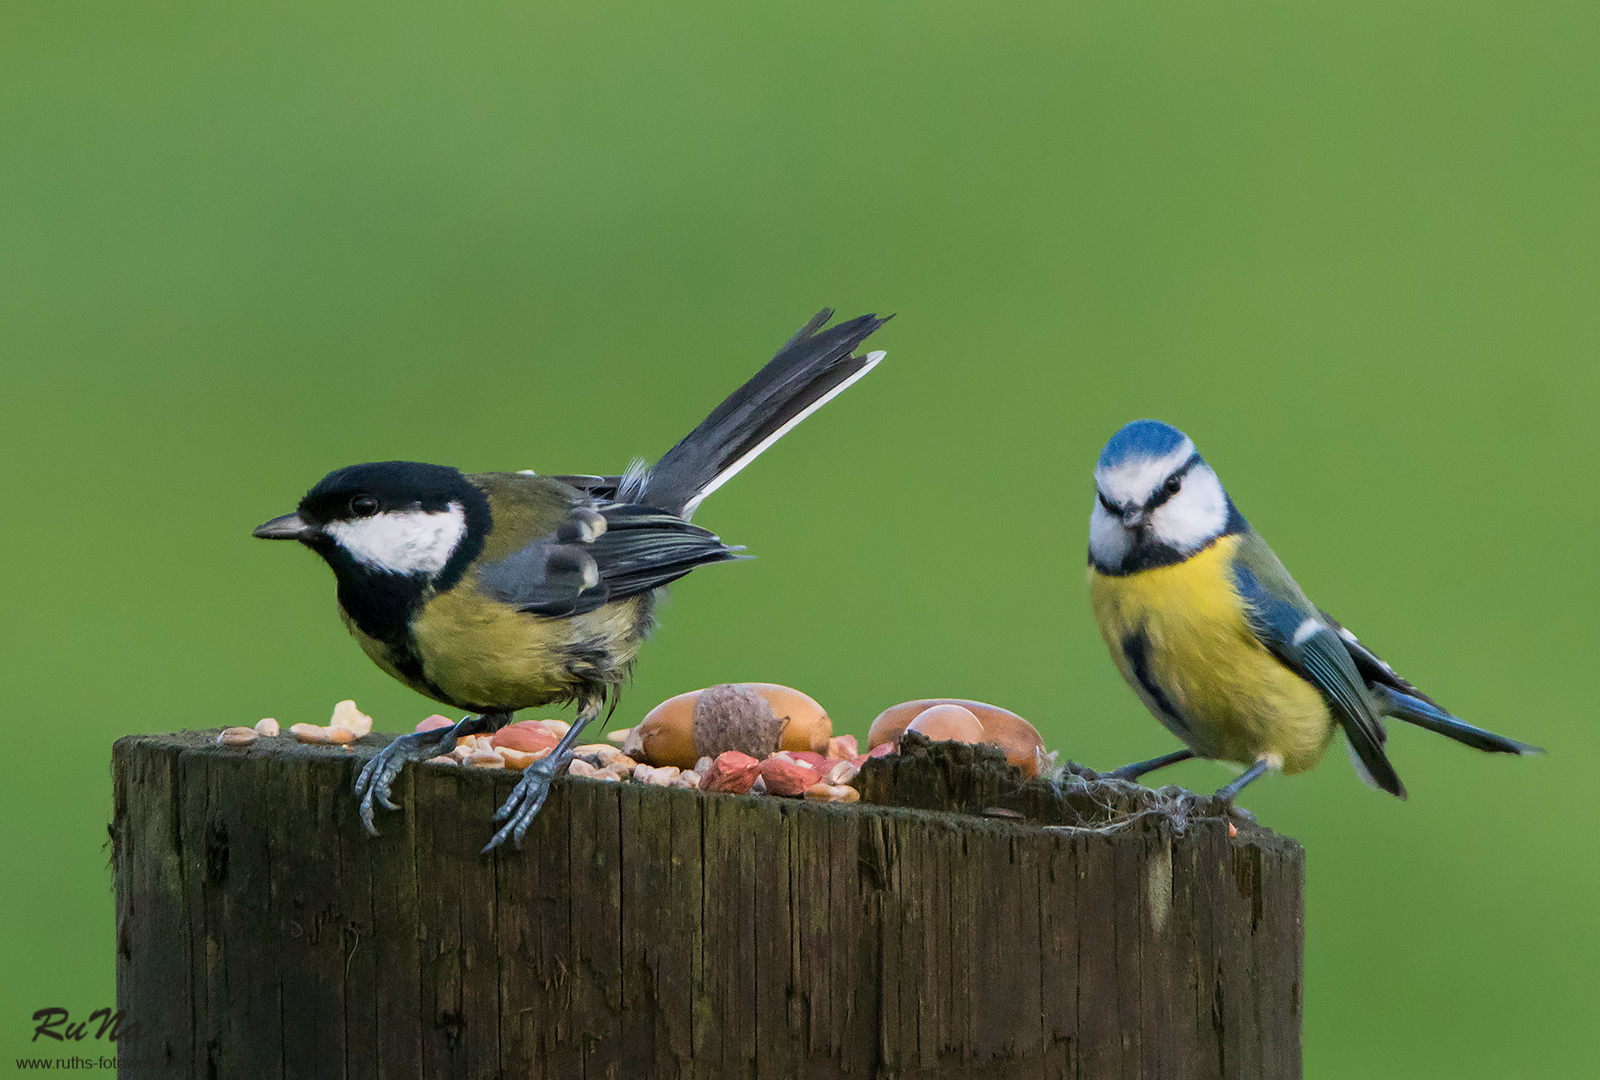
(1136, 647)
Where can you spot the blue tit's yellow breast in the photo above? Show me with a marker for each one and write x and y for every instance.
(1180, 637)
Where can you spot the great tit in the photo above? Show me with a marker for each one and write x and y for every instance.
(493, 592)
(1217, 639)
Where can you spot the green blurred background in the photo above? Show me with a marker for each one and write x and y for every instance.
(1353, 252)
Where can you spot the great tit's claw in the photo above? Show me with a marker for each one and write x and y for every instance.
(522, 805)
(376, 779)
(366, 817)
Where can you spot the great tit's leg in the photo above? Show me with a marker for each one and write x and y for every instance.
(373, 783)
(528, 796)
(1264, 764)
(1139, 768)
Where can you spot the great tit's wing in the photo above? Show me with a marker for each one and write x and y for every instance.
(1398, 698)
(643, 548)
(598, 553)
(1297, 634)
(596, 487)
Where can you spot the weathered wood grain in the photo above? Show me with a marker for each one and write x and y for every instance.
(1107, 932)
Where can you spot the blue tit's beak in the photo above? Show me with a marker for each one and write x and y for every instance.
(1134, 518)
(287, 527)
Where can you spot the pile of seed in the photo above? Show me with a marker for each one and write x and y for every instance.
(792, 774)
(741, 738)
(347, 724)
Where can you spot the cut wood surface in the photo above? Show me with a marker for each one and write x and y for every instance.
(1109, 931)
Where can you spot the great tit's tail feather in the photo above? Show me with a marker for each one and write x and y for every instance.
(1414, 710)
(811, 369)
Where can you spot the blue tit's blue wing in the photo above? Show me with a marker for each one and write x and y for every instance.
(1397, 697)
(1309, 645)
(1373, 668)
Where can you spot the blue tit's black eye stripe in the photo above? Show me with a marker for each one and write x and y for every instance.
(1107, 503)
(1173, 483)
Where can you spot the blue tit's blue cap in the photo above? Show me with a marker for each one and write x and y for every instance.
(1141, 439)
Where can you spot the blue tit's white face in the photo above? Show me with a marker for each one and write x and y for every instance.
(1156, 501)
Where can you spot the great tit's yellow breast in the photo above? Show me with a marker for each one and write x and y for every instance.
(482, 653)
(1232, 699)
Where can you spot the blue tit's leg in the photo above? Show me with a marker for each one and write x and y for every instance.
(1264, 764)
(1139, 768)
(529, 794)
(373, 783)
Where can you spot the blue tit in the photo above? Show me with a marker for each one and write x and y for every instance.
(1217, 639)
(493, 592)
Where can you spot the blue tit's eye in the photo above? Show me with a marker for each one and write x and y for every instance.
(363, 506)
(1174, 482)
(1105, 502)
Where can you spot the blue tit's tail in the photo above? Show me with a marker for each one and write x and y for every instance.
(811, 369)
(1424, 714)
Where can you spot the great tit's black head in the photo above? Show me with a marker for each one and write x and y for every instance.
(391, 519)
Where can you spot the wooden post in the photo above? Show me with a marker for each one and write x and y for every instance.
(649, 932)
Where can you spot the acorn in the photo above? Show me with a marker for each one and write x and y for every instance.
(732, 716)
(805, 723)
(950, 723)
(1018, 738)
(1003, 728)
(666, 734)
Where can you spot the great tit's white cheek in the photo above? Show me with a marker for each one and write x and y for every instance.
(1195, 515)
(1108, 540)
(1133, 482)
(407, 542)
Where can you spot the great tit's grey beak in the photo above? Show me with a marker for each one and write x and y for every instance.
(287, 527)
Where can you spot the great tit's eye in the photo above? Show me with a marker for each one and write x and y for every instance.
(1174, 482)
(363, 506)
